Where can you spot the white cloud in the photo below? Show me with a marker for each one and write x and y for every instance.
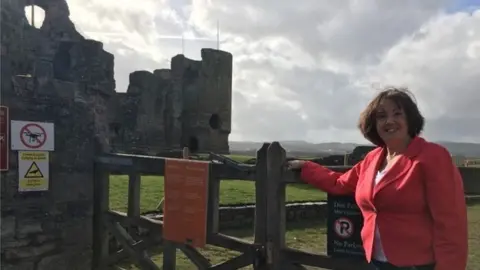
(304, 70)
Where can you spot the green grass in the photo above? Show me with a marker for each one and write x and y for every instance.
(240, 158)
(311, 237)
(231, 192)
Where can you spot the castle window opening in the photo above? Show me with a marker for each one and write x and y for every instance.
(215, 121)
(193, 144)
(62, 62)
(35, 15)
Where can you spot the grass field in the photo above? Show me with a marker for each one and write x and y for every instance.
(311, 237)
(231, 192)
(240, 158)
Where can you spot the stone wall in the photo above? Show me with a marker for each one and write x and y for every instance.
(243, 216)
(52, 229)
(53, 75)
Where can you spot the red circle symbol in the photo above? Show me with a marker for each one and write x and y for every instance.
(344, 227)
(33, 135)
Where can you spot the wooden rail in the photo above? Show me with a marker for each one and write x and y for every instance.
(268, 250)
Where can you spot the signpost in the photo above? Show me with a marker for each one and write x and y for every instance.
(4, 151)
(345, 222)
(30, 136)
(33, 171)
(186, 200)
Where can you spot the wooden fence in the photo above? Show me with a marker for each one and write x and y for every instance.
(268, 251)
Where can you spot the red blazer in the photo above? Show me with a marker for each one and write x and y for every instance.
(419, 205)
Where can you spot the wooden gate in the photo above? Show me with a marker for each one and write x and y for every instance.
(268, 250)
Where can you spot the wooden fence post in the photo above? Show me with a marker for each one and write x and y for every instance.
(101, 206)
(261, 202)
(134, 184)
(213, 202)
(275, 195)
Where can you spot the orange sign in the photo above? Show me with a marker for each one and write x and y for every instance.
(186, 200)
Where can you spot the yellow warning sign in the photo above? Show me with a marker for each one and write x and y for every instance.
(33, 171)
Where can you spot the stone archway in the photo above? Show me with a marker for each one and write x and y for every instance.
(193, 144)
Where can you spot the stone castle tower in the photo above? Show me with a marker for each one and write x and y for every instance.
(187, 105)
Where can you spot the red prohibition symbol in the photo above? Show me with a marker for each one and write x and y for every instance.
(344, 227)
(33, 136)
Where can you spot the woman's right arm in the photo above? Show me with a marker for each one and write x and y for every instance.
(329, 181)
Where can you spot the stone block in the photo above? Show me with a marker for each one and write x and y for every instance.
(42, 238)
(29, 227)
(14, 243)
(8, 227)
(19, 266)
(70, 260)
(78, 232)
(29, 251)
(72, 187)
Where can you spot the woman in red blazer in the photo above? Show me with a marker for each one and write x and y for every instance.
(408, 189)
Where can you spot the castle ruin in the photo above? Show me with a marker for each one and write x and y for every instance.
(53, 74)
(187, 105)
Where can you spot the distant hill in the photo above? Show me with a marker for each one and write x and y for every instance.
(298, 148)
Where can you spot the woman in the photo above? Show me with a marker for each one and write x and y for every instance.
(408, 189)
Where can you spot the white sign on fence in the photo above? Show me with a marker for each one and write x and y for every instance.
(32, 136)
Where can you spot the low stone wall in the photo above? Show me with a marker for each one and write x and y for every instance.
(243, 216)
(471, 179)
(232, 217)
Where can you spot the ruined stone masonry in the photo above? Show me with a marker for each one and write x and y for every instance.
(188, 105)
(53, 74)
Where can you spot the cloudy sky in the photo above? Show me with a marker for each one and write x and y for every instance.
(303, 70)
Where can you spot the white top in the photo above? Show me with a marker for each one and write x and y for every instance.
(378, 253)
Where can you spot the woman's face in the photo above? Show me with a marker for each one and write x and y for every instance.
(391, 122)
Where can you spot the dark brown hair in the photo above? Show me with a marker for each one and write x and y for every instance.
(404, 100)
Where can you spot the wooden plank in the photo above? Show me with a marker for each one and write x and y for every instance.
(231, 162)
(169, 255)
(154, 226)
(195, 257)
(121, 164)
(143, 244)
(101, 206)
(141, 256)
(261, 200)
(226, 172)
(213, 203)
(276, 158)
(230, 242)
(322, 261)
(238, 262)
(297, 266)
(134, 182)
(114, 159)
